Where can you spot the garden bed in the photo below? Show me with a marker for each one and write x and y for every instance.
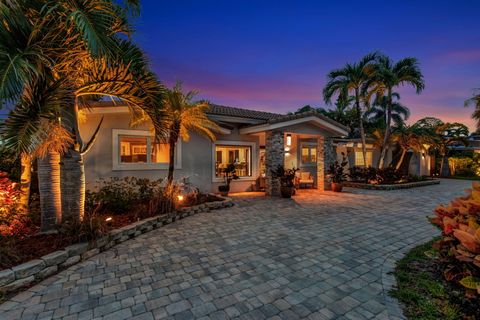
(423, 291)
(46, 255)
(396, 186)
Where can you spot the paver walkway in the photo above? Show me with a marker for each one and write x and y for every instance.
(319, 256)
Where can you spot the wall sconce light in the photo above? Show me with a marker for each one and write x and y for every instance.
(287, 149)
(289, 139)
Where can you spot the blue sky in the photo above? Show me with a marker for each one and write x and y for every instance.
(274, 55)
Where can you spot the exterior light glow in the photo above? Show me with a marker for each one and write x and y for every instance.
(289, 139)
(180, 198)
(287, 149)
(109, 219)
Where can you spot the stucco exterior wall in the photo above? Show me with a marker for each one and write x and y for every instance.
(196, 155)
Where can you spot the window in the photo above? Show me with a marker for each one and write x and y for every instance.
(138, 150)
(309, 154)
(239, 156)
(359, 158)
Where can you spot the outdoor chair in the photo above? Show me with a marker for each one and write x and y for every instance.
(304, 178)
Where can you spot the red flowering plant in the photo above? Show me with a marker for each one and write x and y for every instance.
(459, 246)
(13, 221)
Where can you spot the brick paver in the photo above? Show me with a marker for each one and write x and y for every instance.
(322, 255)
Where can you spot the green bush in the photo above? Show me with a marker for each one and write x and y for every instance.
(465, 166)
(122, 195)
(10, 163)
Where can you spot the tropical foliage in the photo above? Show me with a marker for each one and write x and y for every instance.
(351, 79)
(55, 58)
(181, 115)
(475, 102)
(459, 246)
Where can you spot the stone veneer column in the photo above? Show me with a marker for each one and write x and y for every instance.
(274, 157)
(321, 177)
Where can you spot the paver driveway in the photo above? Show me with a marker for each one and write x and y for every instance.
(320, 256)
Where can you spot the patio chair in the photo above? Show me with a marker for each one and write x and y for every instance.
(305, 178)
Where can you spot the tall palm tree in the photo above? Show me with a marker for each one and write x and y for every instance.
(76, 46)
(448, 134)
(475, 101)
(181, 115)
(350, 80)
(387, 75)
(378, 111)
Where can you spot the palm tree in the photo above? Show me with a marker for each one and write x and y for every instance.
(351, 79)
(75, 47)
(408, 138)
(387, 75)
(378, 112)
(475, 101)
(181, 115)
(449, 134)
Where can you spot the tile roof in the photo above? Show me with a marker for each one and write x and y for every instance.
(242, 113)
(289, 117)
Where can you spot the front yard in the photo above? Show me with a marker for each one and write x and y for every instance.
(320, 255)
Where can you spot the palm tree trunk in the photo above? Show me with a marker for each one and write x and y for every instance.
(444, 168)
(172, 141)
(399, 164)
(362, 130)
(386, 137)
(50, 191)
(25, 180)
(73, 186)
(73, 171)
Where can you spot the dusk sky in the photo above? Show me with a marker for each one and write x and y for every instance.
(275, 55)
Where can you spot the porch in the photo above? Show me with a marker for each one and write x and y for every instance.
(302, 141)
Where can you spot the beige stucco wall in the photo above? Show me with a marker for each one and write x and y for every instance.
(196, 155)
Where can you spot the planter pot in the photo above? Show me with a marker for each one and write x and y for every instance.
(224, 190)
(287, 192)
(337, 187)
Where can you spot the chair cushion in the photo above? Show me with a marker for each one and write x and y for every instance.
(305, 176)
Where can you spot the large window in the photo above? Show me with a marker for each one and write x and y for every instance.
(309, 154)
(138, 150)
(239, 156)
(142, 150)
(359, 158)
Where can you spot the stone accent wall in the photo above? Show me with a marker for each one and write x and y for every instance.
(274, 156)
(321, 177)
(329, 157)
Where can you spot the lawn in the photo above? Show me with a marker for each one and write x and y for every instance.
(423, 292)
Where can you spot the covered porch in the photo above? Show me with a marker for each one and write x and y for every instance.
(302, 141)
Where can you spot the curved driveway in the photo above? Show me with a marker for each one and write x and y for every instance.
(319, 256)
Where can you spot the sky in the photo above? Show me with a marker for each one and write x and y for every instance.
(275, 55)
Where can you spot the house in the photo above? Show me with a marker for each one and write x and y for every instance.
(255, 141)
(415, 163)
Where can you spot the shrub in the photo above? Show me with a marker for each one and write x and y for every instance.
(372, 175)
(118, 196)
(388, 175)
(464, 166)
(10, 163)
(459, 246)
(13, 222)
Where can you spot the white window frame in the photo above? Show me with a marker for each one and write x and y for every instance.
(359, 151)
(309, 145)
(254, 155)
(117, 165)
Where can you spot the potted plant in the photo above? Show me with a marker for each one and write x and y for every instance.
(287, 177)
(228, 175)
(336, 173)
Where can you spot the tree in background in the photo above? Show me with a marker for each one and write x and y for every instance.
(385, 76)
(475, 101)
(377, 114)
(350, 80)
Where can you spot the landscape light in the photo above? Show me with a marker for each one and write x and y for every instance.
(289, 139)
(180, 198)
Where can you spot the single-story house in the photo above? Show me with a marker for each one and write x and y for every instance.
(255, 141)
(419, 163)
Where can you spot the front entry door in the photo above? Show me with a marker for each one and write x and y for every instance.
(308, 158)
